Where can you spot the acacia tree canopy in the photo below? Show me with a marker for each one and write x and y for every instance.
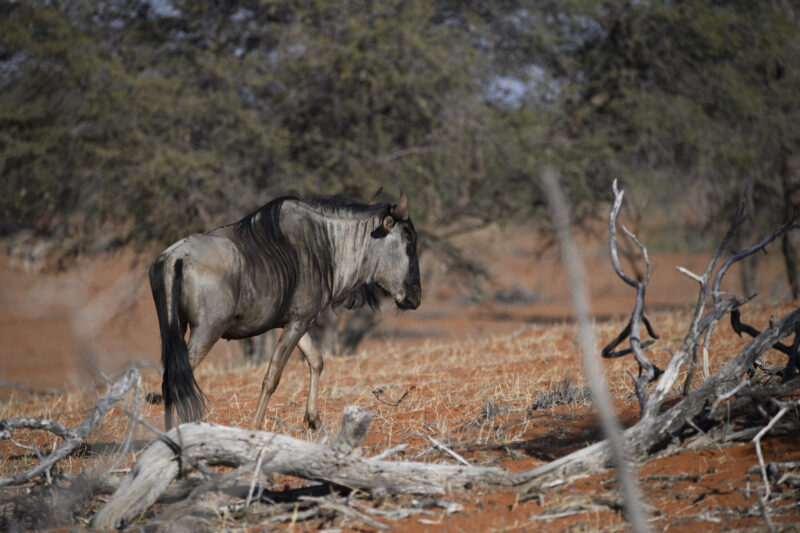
(124, 121)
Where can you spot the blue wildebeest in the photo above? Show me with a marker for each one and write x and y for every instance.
(278, 267)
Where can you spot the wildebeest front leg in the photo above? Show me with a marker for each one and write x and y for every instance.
(286, 343)
(315, 364)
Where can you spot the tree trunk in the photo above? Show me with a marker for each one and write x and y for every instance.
(789, 248)
(790, 258)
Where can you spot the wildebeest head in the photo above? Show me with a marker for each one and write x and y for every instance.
(395, 242)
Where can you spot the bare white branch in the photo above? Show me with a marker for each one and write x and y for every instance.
(634, 327)
(757, 442)
(690, 274)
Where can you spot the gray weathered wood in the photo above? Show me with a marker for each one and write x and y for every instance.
(72, 437)
(341, 464)
(644, 436)
(635, 324)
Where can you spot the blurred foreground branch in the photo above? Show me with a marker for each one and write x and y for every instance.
(588, 347)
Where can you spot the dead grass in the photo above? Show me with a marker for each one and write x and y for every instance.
(477, 397)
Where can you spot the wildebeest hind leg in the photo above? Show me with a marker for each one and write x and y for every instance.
(201, 339)
(315, 364)
(286, 343)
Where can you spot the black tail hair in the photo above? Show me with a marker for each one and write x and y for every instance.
(178, 386)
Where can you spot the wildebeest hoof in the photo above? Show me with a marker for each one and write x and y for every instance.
(313, 423)
(154, 398)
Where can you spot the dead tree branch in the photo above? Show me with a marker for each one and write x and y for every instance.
(697, 326)
(340, 464)
(703, 325)
(745, 393)
(72, 437)
(656, 428)
(734, 302)
(649, 433)
(757, 443)
(793, 362)
(634, 327)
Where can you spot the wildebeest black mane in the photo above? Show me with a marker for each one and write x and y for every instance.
(365, 294)
(338, 204)
(260, 236)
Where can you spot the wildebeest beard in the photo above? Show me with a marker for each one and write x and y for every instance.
(365, 294)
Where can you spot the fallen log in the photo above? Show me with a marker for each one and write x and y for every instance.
(341, 464)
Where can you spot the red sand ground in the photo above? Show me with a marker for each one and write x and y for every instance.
(454, 356)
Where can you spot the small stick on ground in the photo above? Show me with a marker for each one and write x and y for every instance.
(379, 391)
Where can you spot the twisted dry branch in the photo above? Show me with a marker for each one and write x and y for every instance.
(72, 437)
(634, 327)
(656, 427)
(702, 325)
(793, 363)
(650, 433)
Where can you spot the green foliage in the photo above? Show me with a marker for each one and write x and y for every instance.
(122, 126)
(695, 99)
(120, 123)
(111, 137)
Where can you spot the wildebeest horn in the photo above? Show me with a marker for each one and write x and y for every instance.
(374, 198)
(400, 211)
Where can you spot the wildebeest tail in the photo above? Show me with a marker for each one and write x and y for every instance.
(178, 386)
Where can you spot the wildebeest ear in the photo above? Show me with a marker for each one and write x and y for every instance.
(374, 199)
(388, 222)
(400, 210)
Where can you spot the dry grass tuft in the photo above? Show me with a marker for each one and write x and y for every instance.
(564, 392)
